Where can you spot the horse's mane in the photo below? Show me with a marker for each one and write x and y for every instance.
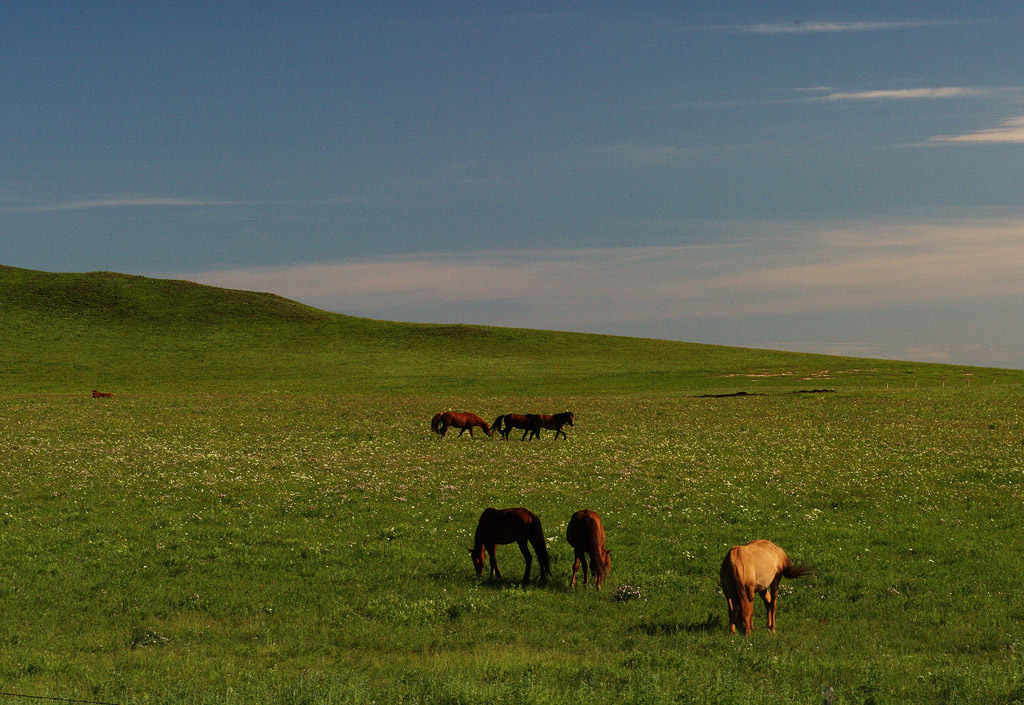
(537, 539)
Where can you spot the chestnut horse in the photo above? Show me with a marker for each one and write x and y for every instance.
(97, 395)
(586, 536)
(758, 568)
(440, 423)
(501, 526)
(553, 422)
(512, 421)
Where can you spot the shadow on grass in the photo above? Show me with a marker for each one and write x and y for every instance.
(666, 627)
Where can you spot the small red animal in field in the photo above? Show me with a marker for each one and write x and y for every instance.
(586, 536)
(97, 395)
(758, 568)
(440, 423)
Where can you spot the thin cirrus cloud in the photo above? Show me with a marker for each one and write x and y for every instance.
(118, 203)
(812, 271)
(1010, 131)
(799, 27)
(907, 94)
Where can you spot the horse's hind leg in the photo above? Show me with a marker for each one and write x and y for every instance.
(746, 601)
(581, 560)
(575, 567)
(771, 602)
(529, 560)
(730, 604)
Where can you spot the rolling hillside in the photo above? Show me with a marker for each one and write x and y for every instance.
(68, 333)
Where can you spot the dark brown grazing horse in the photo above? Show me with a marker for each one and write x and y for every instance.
(440, 423)
(501, 526)
(510, 422)
(757, 568)
(97, 395)
(586, 536)
(553, 422)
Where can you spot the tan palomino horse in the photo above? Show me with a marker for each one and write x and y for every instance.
(758, 568)
(586, 536)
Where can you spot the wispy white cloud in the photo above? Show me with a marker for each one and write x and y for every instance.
(908, 94)
(144, 202)
(1010, 131)
(813, 270)
(816, 27)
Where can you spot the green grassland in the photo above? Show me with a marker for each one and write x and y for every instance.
(261, 514)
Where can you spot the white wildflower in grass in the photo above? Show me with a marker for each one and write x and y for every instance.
(628, 593)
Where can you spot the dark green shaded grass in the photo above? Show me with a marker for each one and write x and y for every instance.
(69, 332)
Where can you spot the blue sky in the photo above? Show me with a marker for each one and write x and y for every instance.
(821, 176)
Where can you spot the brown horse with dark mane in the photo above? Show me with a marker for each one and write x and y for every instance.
(586, 536)
(555, 422)
(97, 395)
(463, 421)
(501, 526)
(757, 568)
(511, 421)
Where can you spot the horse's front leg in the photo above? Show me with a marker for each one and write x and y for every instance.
(494, 563)
(767, 608)
(524, 547)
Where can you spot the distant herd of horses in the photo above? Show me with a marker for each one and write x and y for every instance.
(754, 569)
(531, 424)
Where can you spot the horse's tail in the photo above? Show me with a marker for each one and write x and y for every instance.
(496, 426)
(729, 576)
(597, 561)
(796, 570)
(537, 539)
(435, 423)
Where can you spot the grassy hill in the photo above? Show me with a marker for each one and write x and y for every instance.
(261, 514)
(69, 332)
